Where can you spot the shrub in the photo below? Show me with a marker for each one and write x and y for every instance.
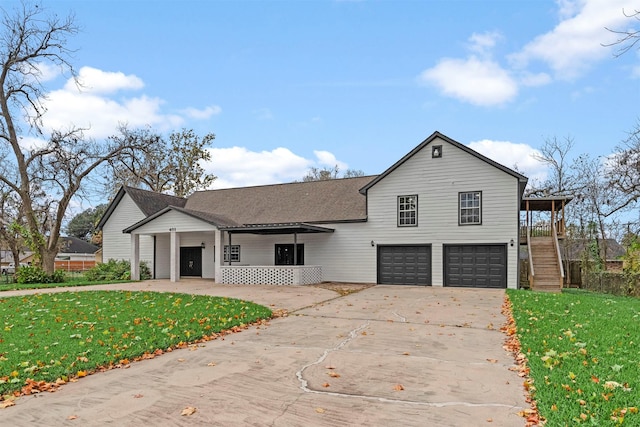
(35, 274)
(116, 270)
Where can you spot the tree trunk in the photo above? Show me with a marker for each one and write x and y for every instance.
(48, 260)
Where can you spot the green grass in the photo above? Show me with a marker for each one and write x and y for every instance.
(584, 354)
(46, 337)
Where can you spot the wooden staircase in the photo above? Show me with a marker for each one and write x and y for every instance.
(547, 271)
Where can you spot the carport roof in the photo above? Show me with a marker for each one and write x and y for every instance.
(286, 228)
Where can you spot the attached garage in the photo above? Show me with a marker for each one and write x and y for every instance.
(404, 265)
(480, 266)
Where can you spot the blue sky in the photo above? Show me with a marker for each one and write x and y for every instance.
(286, 85)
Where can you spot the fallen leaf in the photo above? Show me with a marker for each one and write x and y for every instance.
(72, 417)
(398, 387)
(489, 420)
(326, 385)
(330, 367)
(82, 374)
(492, 360)
(333, 374)
(180, 360)
(138, 396)
(189, 410)
(320, 410)
(406, 353)
(211, 364)
(6, 403)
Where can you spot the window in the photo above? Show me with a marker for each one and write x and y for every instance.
(407, 211)
(284, 254)
(470, 208)
(235, 253)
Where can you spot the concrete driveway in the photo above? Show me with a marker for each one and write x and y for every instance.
(386, 356)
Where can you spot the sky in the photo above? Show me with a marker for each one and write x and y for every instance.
(289, 85)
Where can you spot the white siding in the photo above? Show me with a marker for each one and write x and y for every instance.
(174, 219)
(192, 231)
(115, 243)
(437, 182)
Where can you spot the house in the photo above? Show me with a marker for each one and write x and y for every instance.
(442, 215)
(575, 251)
(75, 254)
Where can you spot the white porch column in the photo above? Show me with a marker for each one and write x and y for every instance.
(174, 260)
(135, 256)
(217, 255)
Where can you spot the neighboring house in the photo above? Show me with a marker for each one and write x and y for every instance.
(75, 254)
(442, 215)
(575, 251)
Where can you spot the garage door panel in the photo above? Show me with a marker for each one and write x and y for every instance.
(404, 265)
(475, 266)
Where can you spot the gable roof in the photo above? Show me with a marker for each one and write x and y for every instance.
(335, 200)
(73, 245)
(437, 135)
(208, 217)
(148, 202)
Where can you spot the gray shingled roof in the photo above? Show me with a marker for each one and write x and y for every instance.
(333, 200)
(73, 245)
(575, 248)
(148, 202)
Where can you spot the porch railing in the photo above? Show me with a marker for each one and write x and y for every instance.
(272, 274)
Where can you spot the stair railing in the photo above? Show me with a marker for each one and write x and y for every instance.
(531, 272)
(557, 245)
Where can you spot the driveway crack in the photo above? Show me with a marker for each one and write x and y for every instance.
(352, 335)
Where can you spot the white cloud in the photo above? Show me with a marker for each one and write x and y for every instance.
(576, 41)
(530, 79)
(478, 81)
(509, 154)
(93, 105)
(328, 159)
(92, 80)
(240, 167)
(483, 43)
(205, 113)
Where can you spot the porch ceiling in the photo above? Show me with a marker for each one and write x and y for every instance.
(544, 204)
(286, 228)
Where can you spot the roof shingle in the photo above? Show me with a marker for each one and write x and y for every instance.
(333, 200)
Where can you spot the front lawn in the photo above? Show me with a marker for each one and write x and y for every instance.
(583, 351)
(46, 338)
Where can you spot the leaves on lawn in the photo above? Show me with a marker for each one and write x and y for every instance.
(578, 351)
(57, 338)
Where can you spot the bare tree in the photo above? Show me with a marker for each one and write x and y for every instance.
(44, 178)
(623, 173)
(627, 39)
(555, 154)
(323, 174)
(12, 219)
(164, 166)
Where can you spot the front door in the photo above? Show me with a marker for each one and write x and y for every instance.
(191, 261)
(284, 254)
